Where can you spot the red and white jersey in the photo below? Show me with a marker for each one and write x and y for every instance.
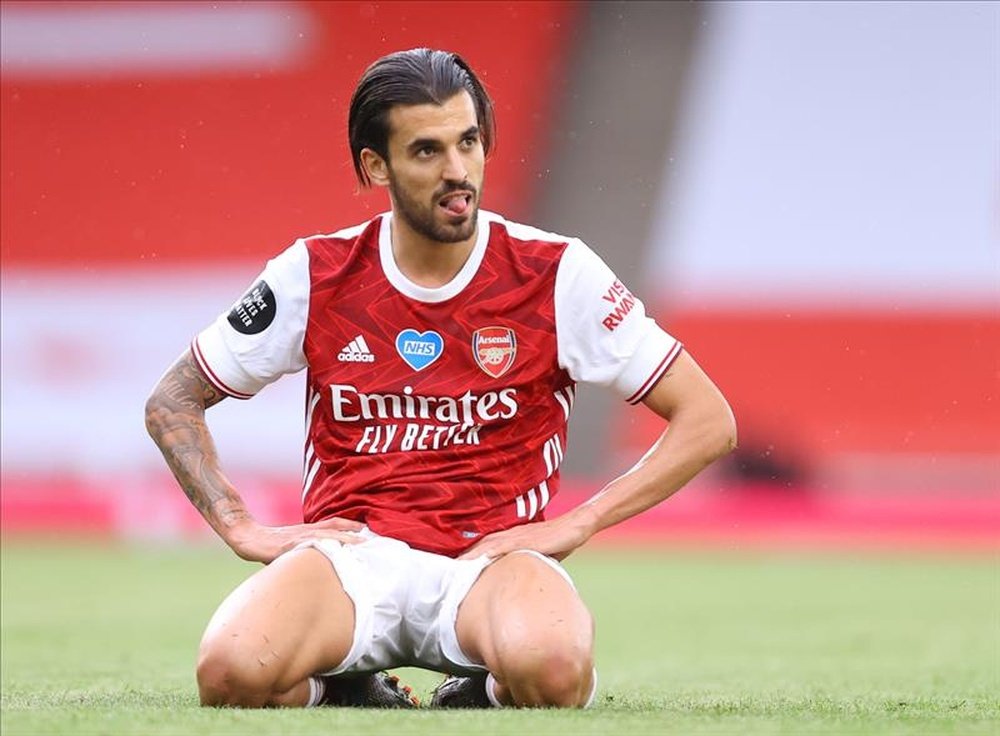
(436, 415)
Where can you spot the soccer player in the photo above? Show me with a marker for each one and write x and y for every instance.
(442, 345)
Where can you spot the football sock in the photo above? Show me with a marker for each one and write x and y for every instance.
(491, 692)
(317, 689)
(593, 691)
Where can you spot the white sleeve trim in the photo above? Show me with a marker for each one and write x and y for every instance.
(221, 358)
(240, 363)
(657, 373)
(602, 331)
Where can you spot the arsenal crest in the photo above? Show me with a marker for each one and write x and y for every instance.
(494, 349)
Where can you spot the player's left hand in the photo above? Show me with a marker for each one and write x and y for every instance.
(556, 538)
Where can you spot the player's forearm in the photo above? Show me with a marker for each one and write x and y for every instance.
(175, 419)
(695, 439)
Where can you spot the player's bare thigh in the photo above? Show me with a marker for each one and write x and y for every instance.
(529, 626)
(286, 622)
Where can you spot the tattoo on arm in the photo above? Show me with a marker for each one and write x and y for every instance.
(175, 418)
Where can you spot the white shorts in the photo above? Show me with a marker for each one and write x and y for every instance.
(405, 603)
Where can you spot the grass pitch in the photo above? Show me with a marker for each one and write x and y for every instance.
(101, 640)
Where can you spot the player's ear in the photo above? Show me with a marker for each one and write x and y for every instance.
(376, 167)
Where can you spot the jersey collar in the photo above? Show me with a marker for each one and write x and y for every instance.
(440, 293)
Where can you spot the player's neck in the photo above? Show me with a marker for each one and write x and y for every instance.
(424, 261)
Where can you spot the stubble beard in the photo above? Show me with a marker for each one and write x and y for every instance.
(421, 218)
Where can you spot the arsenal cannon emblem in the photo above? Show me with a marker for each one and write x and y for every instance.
(494, 349)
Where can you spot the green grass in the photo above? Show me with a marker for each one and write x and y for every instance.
(101, 640)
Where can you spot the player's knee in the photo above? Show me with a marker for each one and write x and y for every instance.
(225, 680)
(561, 681)
(555, 674)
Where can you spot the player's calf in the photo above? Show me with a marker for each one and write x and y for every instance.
(485, 691)
(237, 676)
(225, 683)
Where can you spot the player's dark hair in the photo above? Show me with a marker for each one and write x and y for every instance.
(414, 77)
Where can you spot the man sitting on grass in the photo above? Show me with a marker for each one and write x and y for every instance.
(442, 345)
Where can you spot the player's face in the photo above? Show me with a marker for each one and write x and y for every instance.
(435, 167)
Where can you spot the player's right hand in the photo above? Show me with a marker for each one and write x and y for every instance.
(260, 543)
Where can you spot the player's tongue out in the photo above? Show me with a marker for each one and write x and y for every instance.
(456, 204)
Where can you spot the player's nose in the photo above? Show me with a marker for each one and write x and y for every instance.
(455, 169)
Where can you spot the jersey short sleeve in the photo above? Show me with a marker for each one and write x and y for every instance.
(261, 337)
(603, 333)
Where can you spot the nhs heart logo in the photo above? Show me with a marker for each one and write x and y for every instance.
(419, 349)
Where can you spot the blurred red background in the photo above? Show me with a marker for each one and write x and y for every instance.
(131, 180)
(117, 167)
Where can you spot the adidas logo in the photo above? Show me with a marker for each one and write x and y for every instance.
(356, 351)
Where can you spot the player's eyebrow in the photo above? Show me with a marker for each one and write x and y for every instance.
(471, 132)
(419, 143)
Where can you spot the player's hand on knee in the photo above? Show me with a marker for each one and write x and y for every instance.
(260, 543)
